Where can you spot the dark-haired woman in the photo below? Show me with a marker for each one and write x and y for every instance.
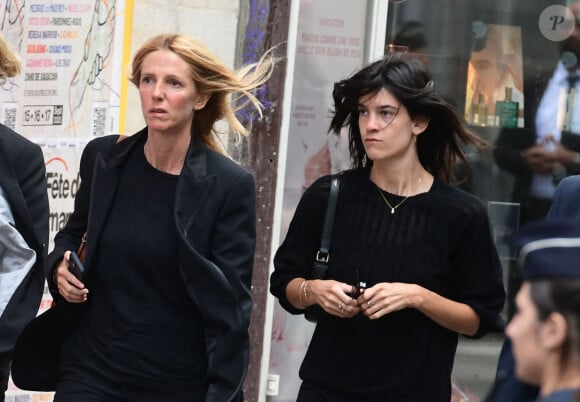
(422, 246)
(545, 331)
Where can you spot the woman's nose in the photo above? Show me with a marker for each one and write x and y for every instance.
(158, 91)
(373, 122)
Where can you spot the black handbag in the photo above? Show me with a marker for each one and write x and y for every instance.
(36, 355)
(320, 265)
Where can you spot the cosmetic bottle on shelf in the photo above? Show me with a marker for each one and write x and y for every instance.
(507, 110)
(479, 112)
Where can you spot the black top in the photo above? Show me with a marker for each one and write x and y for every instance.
(142, 334)
(440, 240)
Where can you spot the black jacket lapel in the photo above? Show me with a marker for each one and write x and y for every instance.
(193, 187)
(105, 181)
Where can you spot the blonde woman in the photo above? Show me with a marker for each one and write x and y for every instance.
(170, 224)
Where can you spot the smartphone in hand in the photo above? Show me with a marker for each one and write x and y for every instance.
(76, 266)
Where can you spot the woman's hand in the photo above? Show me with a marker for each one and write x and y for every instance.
(386, 297)
(333, 297)
(69, 287)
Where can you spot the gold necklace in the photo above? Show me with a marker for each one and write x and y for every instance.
(388, 203)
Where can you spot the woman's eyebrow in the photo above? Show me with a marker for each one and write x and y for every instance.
(387, 106)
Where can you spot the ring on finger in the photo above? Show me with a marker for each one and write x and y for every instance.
(370, 303)
(341, 306)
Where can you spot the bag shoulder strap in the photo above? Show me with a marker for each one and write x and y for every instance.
(323, 253)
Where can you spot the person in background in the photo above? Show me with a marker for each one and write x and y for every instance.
(541, 156)
(507, 386)
(566, 202)
(545, 331)
(170, 230)
(422, 246)
(24, 214)
(412, 38)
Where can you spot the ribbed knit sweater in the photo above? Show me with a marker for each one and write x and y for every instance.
(440, 240)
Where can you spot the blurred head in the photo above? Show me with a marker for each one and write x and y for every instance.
(571, 45)
(410, 85)
(9, 62)
(412, 38)
(545, 331)
(212, 79)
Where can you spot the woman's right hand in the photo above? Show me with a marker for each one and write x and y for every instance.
(69, 286)
(334, 297)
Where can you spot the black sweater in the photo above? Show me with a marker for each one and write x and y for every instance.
(141, 334)
(440, 240)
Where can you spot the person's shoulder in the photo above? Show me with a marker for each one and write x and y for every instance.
(570, 183)
(320, 188)
(345, 177)
(457, 198)
(12, 139)
(19, 148)
(565, 395)
(103, 142)
(219, 163)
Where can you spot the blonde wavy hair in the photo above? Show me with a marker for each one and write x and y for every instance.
(211, 77)
(9, 61)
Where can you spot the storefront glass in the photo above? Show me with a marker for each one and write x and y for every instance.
(506, 65)
(509, 67)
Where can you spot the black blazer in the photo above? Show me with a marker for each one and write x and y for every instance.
(215, 217)
(23, 179)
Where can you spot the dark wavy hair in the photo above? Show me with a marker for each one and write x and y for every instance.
(440, 147)
(561, 296)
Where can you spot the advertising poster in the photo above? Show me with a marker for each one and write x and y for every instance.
(69, 89)
(68, 92)
(494, 93)
(330, 47)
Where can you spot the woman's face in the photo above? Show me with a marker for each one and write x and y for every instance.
(524, 331)
(387, 131)
(168, 94)
(490, 72)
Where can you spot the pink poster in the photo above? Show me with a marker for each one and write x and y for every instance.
(330, 46)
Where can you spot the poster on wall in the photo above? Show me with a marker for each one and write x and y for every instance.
(69, 89)
(494, 92)
(68, 92)
(330, 47)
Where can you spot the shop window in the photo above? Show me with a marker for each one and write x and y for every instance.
(509, 67)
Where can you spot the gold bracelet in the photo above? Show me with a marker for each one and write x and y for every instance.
(300, 293)
(305, 290)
